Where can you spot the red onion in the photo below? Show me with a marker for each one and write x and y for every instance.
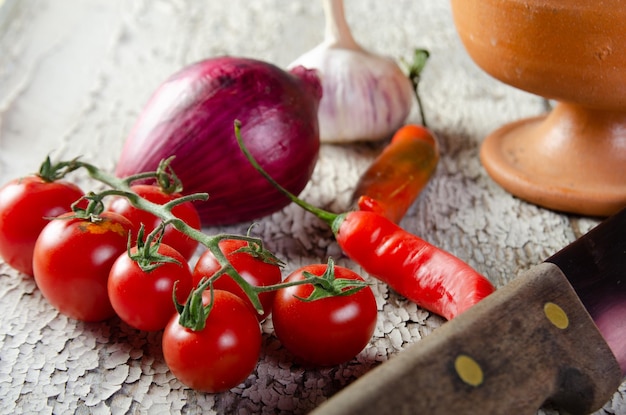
(192, 114)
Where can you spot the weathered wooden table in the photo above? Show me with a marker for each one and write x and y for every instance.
(74, 76)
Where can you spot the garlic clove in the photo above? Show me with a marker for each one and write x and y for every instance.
(366, 96)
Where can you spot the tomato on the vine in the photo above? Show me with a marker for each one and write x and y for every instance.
(219, 356)
(72, 259)
(258, 267)
(26, 205)
(173, 237)
(327, 331)
(143, 298)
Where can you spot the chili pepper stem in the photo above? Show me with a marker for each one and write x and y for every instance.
(414, 68)
(332, 219)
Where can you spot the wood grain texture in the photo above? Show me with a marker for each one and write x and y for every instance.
(532, 342)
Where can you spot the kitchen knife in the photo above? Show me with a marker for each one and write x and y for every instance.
(554, 335)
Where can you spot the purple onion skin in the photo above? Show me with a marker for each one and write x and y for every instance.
(191, 116)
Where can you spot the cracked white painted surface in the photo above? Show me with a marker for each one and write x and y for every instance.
(75, 74)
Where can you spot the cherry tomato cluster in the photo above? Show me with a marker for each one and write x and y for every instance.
(130, 258)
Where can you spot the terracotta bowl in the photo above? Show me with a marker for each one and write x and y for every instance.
(570, 51)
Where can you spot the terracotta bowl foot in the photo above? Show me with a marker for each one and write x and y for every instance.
(572, 160)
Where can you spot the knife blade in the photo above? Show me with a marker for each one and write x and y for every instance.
(554, 335)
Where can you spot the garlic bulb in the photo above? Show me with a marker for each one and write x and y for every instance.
(366, 97)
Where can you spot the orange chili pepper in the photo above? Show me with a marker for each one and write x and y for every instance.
(395, 179)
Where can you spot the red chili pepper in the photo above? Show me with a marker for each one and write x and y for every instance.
(425, 274)
(398, 175)
(431, 277)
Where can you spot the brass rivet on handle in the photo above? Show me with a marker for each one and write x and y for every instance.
(468, 370)
(556, 315)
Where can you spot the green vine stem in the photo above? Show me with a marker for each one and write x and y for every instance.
(122, 187)
(192, 315)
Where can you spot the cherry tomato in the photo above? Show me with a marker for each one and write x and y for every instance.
(252, 268)
(222, 354)
(327, 331)
(71, 263)
(172, 237)
(143, 299)
(26, 205)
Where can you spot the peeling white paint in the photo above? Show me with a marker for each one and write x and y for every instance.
(74, 76)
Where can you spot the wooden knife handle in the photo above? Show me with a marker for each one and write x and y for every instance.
(529, 343)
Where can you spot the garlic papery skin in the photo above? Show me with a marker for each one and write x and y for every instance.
(366, 96)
